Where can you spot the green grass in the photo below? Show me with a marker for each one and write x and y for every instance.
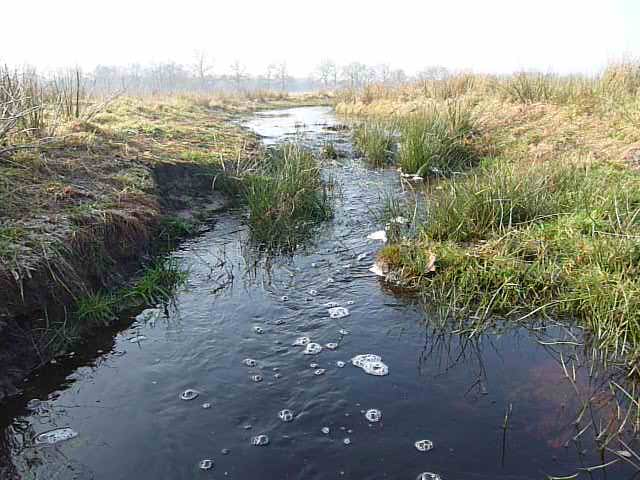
(158, 283)
(438, 140)
(376, 141)
(286, 197)
(559, 239)
(97, 309)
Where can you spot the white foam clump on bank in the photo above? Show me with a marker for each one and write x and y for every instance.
(424, 445)
(379, 235)
(370, 364)
(377, 269)
(312, 349)
(285, 415)
(301, 341)
(373, 415)
(260, 440)
(206, 464)
(189, 394)
(54, 436)
(338, 312)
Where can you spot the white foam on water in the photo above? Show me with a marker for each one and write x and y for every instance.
(373, 415)
(249, 362)
(380, 235)
(206, 464)
(362, 256)
(424, 445)
(429, 476)
(325, 430)
(338, 312)
(256, 378)
(285, 415)
(313, 365)
(312, 349)
(331, 304)
(312, 292)
(331, 345)
(342, 331)
(370, 364)
(319, 371)
(55, 436)
(330, 280)
(360, 360)
(340, 364)
(260, 440)
(206, 406)
(301, 341)
(189, 394)
(137, 339)
(376, 368)
(258, 329)
(347, 441)
(284, 298)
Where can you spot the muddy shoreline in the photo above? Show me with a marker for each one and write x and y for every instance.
(126, 241)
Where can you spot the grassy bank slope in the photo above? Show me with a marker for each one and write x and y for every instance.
(546, 220)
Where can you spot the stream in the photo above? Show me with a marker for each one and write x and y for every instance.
(495, 406)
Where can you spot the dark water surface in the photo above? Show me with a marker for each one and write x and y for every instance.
(122, 398)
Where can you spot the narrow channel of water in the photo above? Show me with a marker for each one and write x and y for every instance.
(122, 397)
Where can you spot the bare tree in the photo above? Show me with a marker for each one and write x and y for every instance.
(281, 75)
(355, 74)
(327, 73)
(238, 73)
(202, 66)
(434, 72)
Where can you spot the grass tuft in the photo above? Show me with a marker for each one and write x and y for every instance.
(438, 140)
(286, 197)
(376, 140)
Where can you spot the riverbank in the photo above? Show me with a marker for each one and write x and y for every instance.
(536, 214)
(82, 211)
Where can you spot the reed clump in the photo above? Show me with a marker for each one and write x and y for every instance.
(286, 197)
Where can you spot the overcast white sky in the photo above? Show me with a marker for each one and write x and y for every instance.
(482, 35)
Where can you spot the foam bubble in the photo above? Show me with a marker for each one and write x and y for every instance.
(429, 476)
(312, 292)
(373, 415)
(249, 362)
(256, 378)
(325, 430)
(424, 445)
(319, 371)
(284, 298)
(379, 369)
(260, 440)
(206, 464)
(206, 406)
(340, 364)
(331, 345)
(312, 349)
(342, 331)
(338, 312)
(331, 304)
(189, 394)
(301, 341)
(54, 436)
(258, 329)
(285, 415)
(347, 441)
